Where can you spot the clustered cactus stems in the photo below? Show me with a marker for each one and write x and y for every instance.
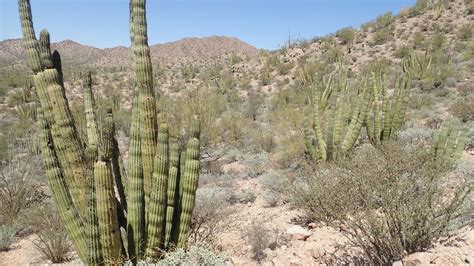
(335, 126)
(387, 114)
(416, 66)
(112, 216)
(449, 141)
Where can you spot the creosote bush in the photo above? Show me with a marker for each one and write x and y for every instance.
(389, 202)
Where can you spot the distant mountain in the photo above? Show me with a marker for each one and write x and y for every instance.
(12, 52)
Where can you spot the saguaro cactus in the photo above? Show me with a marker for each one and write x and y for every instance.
(84, 180)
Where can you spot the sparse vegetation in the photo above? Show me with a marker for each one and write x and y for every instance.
(259, 239)
(389, 202)
(363, 136)
(7, 234)
(53, 242)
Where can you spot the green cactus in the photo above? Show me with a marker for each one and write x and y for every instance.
(171, 197)
(69, 214)
(416, 66)
(89, 109)
(56, 57)
(105, 227)
(335, 126)
(136, 202)
(157, 209)
(143, 75)
(94, 250)
(386, 115)
(190, 182)
(449, 141)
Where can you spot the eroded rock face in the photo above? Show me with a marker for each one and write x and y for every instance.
(297, 232)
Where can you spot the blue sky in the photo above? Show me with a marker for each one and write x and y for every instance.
(262, 23)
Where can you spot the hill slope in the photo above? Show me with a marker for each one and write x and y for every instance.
(185, 50)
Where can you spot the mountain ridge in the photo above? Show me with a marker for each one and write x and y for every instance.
(187, 49)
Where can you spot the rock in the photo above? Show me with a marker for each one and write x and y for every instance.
(297, 232)
(419, 258)
(233, 168)
(314, 252)
(398, 263)
(312, 225)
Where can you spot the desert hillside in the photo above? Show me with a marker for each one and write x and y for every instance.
(351, 148)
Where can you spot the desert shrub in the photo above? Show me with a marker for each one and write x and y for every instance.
(284, 68)
(346, 35)
(376, 65)
(418, 40)
(243, 196)
(259, 239)
(208, 215)
(334, 54)
(178, 87)
(469, 7)
(421, 101)
(7, 235)
(383, 35)
(18, 189)
(254, 164)
(53, 242)
(234, 127)
(253, 105)
(195, 255)
(384, 21)
(274, 183)
(419, 7)
(465, 89)
(204, 102)
(389, 202)
(234, 59)
(402, 52)
(221, 180)
(436, 42)
(463, 109)
(414, 135)
(265, 76)
(189, 72)
(469, 52)
(264, 139)
(465, 32)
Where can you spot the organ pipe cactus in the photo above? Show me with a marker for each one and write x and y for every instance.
(335, 125)
(387, 114)
(152, 209)
(416, 66)
(449, 141)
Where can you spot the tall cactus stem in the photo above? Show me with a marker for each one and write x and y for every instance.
(89, 107)
(143, 75)
(157, 209)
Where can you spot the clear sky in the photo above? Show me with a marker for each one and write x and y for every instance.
(262, 23)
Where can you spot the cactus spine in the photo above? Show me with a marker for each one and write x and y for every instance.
(105, 228)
